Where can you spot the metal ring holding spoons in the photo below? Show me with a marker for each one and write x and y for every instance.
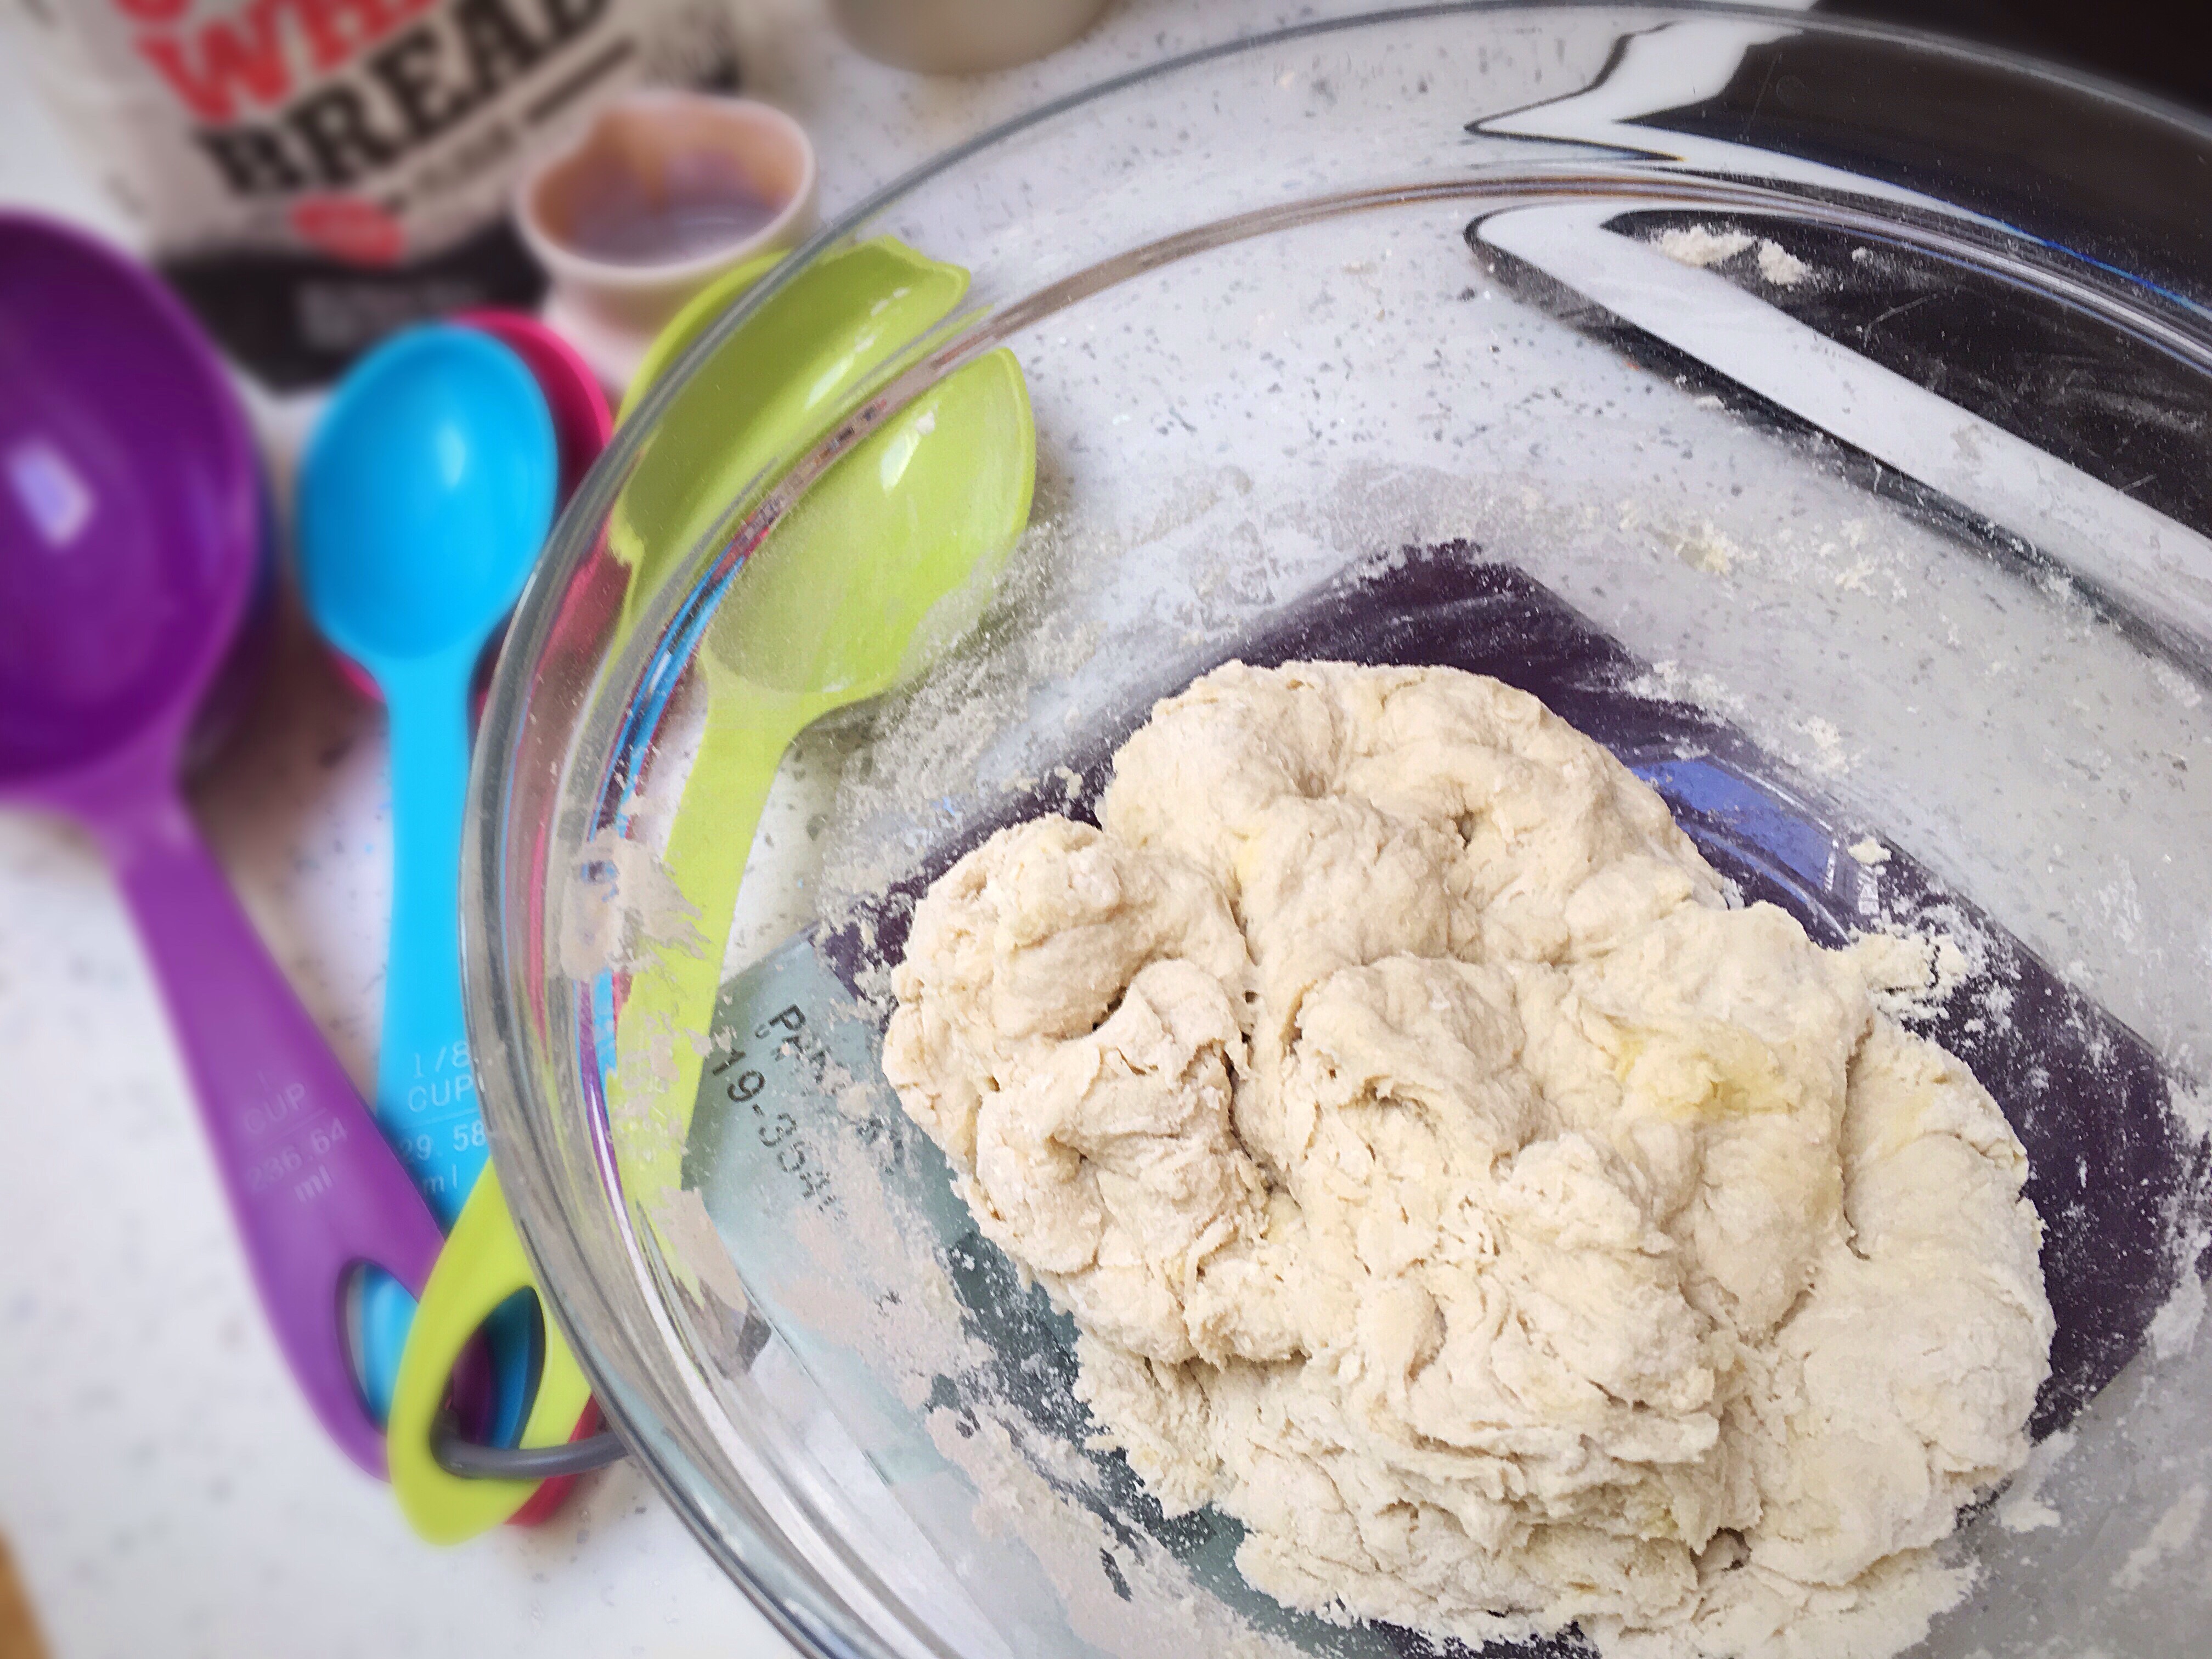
(466, 1461)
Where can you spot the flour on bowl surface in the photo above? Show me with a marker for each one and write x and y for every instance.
(1454, 1187)
(1701, 245)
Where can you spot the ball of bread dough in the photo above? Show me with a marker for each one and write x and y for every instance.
(1453, 1185)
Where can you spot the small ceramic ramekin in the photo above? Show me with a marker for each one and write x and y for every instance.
(656, 146)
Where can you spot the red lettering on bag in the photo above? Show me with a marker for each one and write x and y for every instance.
(209, 68)
(337, 29)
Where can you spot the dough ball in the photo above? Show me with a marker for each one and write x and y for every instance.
(1452, 1185)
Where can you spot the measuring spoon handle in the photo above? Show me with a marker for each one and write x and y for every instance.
(426, 1094)
(313, 1187)
(483, 1267)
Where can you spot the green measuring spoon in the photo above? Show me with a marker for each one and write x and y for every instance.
(772, 389)
(909, 528)
(885, 563)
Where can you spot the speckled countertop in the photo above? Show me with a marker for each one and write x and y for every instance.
(164, 1488)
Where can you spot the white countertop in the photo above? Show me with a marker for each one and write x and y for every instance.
(162, 1485)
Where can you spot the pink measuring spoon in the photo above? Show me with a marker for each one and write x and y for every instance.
(130, 546)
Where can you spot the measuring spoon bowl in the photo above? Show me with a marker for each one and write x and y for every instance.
(769, 387)
(582, 423)
(425, 493)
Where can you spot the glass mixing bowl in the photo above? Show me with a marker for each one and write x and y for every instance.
(1815, 414)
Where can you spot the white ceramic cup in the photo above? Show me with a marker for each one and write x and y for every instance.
(647, 152)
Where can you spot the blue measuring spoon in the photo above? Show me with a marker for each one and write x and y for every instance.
(425, 495)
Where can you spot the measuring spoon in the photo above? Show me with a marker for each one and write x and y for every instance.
(904, 535)
(884, 564)
(771, 388)
(131, 538)
(425, 493)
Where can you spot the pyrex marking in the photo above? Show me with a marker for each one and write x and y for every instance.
(778, 1131)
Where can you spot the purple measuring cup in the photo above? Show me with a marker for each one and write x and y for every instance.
(130, 546)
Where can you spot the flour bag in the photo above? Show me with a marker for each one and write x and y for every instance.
(311, 174)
